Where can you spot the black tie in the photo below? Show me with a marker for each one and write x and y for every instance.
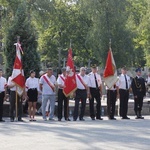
(126, 81)
(96, 81)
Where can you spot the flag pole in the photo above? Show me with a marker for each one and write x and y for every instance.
(70, 43)
(110, 43)
(68, 96)
(18, 37)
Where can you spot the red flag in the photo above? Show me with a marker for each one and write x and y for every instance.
(110, 72)
(18, 73)
(70, 81)
(109, 68)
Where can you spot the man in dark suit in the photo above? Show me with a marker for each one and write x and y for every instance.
(139, 91)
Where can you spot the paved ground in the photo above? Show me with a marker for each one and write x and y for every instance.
(89, 135)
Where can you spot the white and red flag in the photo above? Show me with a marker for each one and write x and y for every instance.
(18, 73)
(110, 72)
(70, 81)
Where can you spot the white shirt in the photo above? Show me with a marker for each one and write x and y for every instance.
(85, 80)
(92, 80)
(32, 83)
(122, 82)
(148, 80)
(46, 89)
(10, 83)
(60, 80)
(3, 83)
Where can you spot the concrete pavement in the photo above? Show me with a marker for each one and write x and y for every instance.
(88, 135)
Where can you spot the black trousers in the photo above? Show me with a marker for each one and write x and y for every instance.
(2, 94)
(13, 106)
(80, 95)
(138, 103)
(111, 103)
(62, 98)
(95, 93)
(124, 97)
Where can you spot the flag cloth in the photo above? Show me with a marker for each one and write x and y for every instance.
(110, 72)
(70, 81)
(18, 73)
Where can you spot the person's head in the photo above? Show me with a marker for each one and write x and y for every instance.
(94, 68)
(123, 70)
(82, 71)
(41, 73)
(138, 71)
(32, 73)
(63, 70)
(49, 71)
(1, 72)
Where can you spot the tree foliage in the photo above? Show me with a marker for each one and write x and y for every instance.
(90, 25)
(22, 27)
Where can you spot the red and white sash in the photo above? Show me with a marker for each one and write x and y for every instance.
(49, 83)
(82, 81)
(62, 78)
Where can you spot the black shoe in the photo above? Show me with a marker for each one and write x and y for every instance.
(99, 118)
(140, 117)
(74, 119)
(11, 120)
(112, 118)
(38, 113)
(67, 119)
(59, 119)
(93, 118)
(125, 118)
(20, 120)
(81, 119)
(2, 120)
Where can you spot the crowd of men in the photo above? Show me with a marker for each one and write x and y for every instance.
(88, 86)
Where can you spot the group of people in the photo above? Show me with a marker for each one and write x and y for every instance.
(88, 86)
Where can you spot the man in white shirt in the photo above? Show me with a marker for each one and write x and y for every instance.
(148, 79)
(47, 86)
(95, 85)
(3, 84)
(82, 81)
(61, 97)
(11, 85)
(124, 86)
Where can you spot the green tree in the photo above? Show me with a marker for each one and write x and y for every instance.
(109, 20)
(21, 26)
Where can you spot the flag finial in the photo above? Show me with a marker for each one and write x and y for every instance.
(110, 43)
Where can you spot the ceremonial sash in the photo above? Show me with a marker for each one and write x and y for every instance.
(62, 78)
(81, 81)
(51, 86)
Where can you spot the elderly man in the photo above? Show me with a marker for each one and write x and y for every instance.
(61, 97)
(47, 86)
(81, 93)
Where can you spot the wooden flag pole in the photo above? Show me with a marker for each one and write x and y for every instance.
(18, 37)
(16, 104)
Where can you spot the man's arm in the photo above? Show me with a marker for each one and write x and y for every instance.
(41, 87)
